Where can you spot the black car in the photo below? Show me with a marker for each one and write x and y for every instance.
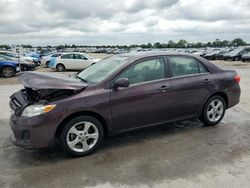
(245, 57)
(236, 54)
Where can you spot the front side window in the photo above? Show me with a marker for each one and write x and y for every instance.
(147, 70)
(68, 56)
(181, 66)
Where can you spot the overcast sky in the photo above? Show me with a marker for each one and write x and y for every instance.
(96, 22)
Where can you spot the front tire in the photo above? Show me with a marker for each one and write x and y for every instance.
(8, 71)
(82, 136)
(213, 111)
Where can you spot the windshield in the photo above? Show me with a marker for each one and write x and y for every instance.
(102, 69)
(88, 56)
(235, 51)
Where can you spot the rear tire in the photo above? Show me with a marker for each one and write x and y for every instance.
(213, 111)
(47, 64)
(60, 68)
(82, 136)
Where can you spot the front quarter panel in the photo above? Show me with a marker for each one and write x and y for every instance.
(91, 100)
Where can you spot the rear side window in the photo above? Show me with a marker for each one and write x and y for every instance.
(68, 56)
(78, 56)
(181, 66)
(145, 71)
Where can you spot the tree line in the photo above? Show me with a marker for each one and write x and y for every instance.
(170, 44)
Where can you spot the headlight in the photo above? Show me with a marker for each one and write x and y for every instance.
(34, 110)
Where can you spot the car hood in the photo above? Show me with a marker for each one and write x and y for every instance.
(10, 62)
(96, 60)
(39, 80)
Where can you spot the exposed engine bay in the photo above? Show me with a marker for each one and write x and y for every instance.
(28, 96)
(47, 95)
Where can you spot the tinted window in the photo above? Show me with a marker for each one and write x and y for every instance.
(79, 56)
(68, 56)
(202, 68)
(55, 55)
(184, 66)
(145, 71)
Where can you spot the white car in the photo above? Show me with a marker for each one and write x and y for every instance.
(46, 59)
(74, 60)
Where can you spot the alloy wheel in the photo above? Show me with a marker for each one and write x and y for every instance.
(82, 136)
(215, 110)
(60, 68)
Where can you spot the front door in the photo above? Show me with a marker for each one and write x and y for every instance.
(148, 98)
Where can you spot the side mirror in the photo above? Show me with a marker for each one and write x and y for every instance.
(121, 82)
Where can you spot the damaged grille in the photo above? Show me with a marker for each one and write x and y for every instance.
(18, 101)
(14, 104)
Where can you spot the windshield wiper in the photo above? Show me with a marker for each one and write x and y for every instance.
(82, 79)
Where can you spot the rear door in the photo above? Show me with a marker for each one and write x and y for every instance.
(191, 84)
(81, 62)
(148, 98)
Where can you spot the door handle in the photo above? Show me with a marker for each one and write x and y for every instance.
(164, 88)
(206, 80)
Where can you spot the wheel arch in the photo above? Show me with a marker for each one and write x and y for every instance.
(221, 94)
(82, 113)
(60, 63)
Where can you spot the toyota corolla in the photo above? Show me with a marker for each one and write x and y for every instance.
(120, 93)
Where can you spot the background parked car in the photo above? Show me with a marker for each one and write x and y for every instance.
(46, 59)
(245, 57)
(36, 57)
(237, 53)
(24, 66)
(8, 68)
(76, 61)
(24, 59)
(216, 54)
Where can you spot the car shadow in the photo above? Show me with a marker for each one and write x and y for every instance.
(50, 155)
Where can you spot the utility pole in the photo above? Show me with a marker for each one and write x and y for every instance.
(18, 59)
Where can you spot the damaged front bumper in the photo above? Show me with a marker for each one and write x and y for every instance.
(33, 133)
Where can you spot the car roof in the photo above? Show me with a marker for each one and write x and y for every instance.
(139, 55)
(145, 54)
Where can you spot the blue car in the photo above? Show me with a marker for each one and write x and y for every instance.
(8, 68)
(36, 58)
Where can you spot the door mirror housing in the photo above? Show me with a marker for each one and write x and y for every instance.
(121, 82)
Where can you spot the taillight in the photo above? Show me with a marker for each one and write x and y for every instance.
(237, 78)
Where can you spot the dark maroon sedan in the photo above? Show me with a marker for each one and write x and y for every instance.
(117, 94)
